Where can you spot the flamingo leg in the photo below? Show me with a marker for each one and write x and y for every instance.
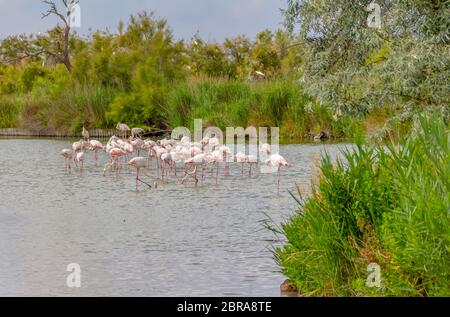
(117, 165)
(137, 179)
(226, 169)
(217, 172)
(140, 180)
(278, 180)
(106, 168)
(192, 174)
(157, 166)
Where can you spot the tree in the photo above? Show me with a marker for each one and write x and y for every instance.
(208, 59)
(15, 49)
(62, 50)
(266, 56)
(351, 66)
(150, 61)
(238, 51)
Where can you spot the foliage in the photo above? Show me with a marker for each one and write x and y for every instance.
(282, 103)
(354, 68)
(378, 205)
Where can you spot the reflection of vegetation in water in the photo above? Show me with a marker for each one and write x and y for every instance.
(388, 206)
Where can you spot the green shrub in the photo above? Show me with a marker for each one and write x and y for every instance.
(378, 205)
(10, 110)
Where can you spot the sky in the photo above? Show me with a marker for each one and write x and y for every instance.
(213, 19)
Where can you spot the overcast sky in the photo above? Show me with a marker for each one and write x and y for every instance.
(214, 19)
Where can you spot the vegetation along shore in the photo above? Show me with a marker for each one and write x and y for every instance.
(142, 76)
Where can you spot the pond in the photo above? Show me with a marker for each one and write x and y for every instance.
(176, 240)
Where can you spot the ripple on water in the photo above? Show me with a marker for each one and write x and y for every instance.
(175, 240)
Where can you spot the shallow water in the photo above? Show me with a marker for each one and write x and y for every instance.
(171, 241)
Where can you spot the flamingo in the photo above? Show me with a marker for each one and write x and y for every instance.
(167, 159)
(205, 142)
(149, 146)
(185, 140)
(251, 160)
(137, 144)
(95, 146)
(79, 158)
(225, 150)
(242, 159)
(214, 143)
(68, 155)
(139, 163)
(78, 146)
(85, 134)
(115, 153)
(277, 161)
(215, 158)
(136, 132)
(159, 151)
(199, 159)
(123, 128)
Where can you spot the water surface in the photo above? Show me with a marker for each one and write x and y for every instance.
(173, 241)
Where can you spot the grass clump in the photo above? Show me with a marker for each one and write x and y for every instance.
(10, 109)
(385, 205)
(275, 103)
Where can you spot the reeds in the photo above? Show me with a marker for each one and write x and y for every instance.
(385, 205)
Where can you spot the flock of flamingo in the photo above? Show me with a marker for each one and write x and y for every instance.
(168, 156)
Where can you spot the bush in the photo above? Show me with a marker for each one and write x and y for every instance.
(10, 109)
(379, 205)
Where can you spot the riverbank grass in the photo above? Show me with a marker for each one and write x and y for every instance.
(383, 205)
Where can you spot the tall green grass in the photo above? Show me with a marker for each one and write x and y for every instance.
(64, 105)
(385, 205)
(68, 110)
(10, 110)
(278, 103)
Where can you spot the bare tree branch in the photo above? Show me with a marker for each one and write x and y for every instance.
(64, 57)
(31, 55)
(54, 10)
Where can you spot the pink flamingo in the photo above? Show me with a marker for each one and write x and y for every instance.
(198, 160)
(277, 161)
(85, 134)
(79, 159)
(251, 160)
(95, 146)
(225, 150)
(78, 146)
(241, 158)
(114, 164)
(215, 158)
(167, 159)
(68, 155)
(139, 163)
